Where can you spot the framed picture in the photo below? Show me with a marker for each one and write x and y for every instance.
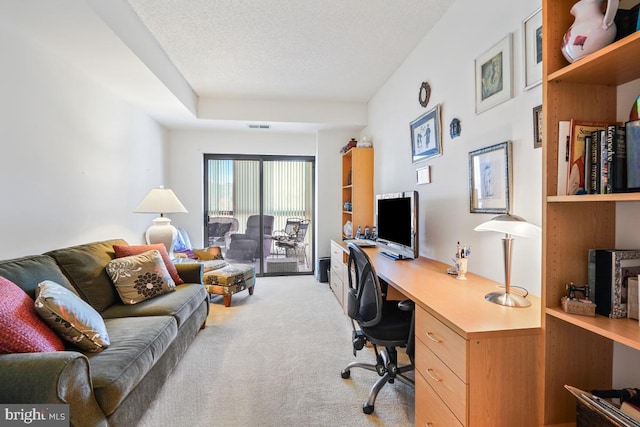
(537, 126)
(426, 141)
(490, 179)
(532, 50)
(494, 75)
(613, 268)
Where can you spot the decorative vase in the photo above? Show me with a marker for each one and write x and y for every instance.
(591, 30)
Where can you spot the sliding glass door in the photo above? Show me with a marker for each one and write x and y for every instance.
(259, 209)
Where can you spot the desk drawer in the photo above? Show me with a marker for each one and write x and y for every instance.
(451, 389)
(443, 341)
(430, 410)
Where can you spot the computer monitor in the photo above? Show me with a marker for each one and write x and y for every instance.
(397, 224)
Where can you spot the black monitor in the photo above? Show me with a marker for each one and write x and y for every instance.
(397, 224)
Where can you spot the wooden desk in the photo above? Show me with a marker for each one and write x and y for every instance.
(476, 361)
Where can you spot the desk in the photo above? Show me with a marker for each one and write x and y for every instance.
(476, 362)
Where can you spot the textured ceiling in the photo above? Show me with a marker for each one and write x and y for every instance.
(284, 49)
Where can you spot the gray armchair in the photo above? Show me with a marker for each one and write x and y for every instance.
(246, 246)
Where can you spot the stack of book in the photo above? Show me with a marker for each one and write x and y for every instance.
(598, 157)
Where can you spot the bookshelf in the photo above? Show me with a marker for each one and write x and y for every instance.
(357, 187)
(577, 350)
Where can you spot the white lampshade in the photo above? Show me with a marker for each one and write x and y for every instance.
(161, 200)
(510, 225)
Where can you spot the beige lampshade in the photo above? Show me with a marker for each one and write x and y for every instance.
(160, 200)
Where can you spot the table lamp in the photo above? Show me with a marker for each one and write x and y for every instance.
(161, 200)
(510, 225)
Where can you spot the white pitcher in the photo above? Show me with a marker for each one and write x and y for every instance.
(591, 30)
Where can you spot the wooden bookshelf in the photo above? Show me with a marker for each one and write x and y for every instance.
(577, 350)
(357, 187)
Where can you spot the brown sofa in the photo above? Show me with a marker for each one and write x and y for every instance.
(147, 340)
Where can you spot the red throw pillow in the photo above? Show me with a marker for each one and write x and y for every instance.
(124, 250)
(21, 329)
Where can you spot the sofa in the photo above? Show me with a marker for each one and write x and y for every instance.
(114, 386)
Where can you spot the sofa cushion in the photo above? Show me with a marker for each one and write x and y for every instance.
(179, 304)
(137, 344)
(126, 250)
(140, 277)
(21, 330)
(209, 254)
(71, 317)
(84, 265)
(28, 271)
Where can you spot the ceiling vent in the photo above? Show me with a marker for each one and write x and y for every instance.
(257, 126)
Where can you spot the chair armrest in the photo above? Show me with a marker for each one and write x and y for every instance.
(406, 305)
(60, 377)
(241, 236)
(190, 272)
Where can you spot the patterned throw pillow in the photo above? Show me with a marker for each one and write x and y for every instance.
(208, 254)
(21, 330)
(140, 277)
(74, 319)
(124, 250)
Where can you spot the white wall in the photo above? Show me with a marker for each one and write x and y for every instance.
(445, 58)
(75, 159)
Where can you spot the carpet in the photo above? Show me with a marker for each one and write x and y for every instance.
(274, 359)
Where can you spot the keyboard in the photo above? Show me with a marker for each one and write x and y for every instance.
(362, 242)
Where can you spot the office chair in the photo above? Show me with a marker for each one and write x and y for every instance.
(389, 324)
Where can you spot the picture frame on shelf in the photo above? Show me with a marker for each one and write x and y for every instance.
(490, 179)
(532, 50)
(426, 138)
(537, 127)
(494, 75)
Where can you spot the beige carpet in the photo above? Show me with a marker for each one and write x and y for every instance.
(274, 359)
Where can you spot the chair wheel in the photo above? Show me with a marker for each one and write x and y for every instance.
(345, 374)
(367, 409)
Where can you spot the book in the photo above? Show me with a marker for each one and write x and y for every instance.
(563, 156)
(618, 166)
(588, 163)
(633, 155)
(604, 165)
(613, 267)
(626, 21)
(611, 138)
(631, 410)
(594, 182)
(578, 129)
(611, 412)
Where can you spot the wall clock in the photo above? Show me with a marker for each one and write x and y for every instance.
(424, 94)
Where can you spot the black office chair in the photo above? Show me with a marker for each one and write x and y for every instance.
(383, 323)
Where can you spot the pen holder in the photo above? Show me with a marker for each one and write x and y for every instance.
(462, 268)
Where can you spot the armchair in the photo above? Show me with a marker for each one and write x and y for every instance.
(219, 230)
(246, 246)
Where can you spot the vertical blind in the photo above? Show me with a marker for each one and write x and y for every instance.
(234, 189)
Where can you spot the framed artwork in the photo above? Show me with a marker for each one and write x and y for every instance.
(494, 75)
(426, 140)
(537, 126)
(532, 50)
(490, 178)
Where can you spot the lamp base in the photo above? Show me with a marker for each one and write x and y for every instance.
(508, 299)
(161, 231)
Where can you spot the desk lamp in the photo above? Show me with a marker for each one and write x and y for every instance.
(510, 225)
(161, 200)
